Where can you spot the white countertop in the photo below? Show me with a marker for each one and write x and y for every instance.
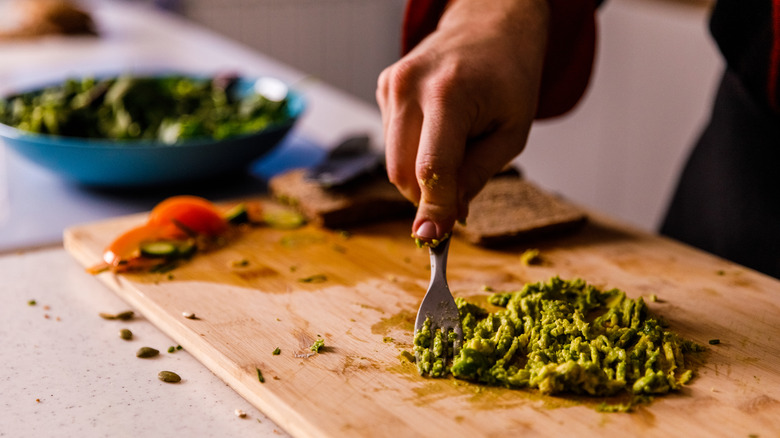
(65, 370)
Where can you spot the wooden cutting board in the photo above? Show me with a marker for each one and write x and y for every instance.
(360, 294)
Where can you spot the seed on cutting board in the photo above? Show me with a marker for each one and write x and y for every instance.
(146, 352)
(240, 414)
(169, 377)
(189, 315)
(126, 334)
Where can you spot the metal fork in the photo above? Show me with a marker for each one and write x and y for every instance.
(438, 305)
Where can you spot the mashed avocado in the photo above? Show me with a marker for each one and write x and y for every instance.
(561, 336)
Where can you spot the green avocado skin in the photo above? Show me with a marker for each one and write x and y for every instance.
(561, 336)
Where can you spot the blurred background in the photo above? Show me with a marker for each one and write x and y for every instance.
(619, 151)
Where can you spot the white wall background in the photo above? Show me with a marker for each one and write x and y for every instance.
(346, 43)
(622, 148)
(619, 151)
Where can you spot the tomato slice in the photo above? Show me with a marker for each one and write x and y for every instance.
(176, 218)
(189, 214)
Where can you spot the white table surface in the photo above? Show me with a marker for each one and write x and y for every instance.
(65, 372)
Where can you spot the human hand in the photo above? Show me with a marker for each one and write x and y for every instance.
(458, 107)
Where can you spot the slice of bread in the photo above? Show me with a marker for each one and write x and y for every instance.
(511, 209)
(369, 199)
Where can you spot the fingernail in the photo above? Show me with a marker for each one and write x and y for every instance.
(427, 230)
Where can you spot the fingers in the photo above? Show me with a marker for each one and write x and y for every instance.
(402, 121)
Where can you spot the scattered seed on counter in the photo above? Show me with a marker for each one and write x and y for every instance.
(169, 377)
(277, 351)
(32, 303)
(124, 316)
(171, 349)
(126, 334)
(189, 315)
(240, 414)
(146, 352)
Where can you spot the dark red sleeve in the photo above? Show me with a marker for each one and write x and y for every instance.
(570, 49)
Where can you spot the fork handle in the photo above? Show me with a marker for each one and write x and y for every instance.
(439, 261)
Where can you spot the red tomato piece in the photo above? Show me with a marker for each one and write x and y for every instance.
(189, 214)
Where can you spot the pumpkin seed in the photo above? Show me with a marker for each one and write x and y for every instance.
(125, 334)
(169, 377)
(124, 316)
(146, 352)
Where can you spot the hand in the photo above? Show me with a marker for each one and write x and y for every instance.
(458, 107)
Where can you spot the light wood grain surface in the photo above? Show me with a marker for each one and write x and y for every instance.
(364, 310)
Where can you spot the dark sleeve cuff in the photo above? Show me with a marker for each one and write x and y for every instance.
(570, 49)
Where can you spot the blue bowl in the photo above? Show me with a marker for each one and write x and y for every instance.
(139, 163)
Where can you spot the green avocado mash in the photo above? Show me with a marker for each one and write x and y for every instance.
(561, 336)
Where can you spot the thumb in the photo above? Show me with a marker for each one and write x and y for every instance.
(439, 158)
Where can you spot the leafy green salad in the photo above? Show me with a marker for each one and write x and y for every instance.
(167, 109)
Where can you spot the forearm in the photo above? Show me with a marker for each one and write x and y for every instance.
(569, 51)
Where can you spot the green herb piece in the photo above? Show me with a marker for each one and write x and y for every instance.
(277, 351)
(318, 278)
(179, 347)
(32, 303)
(531, 257)
(171, 349)
(169, 377)
(242, 263)
(714, 341)
(409, 357)
(260, 377)
(146, 352)
(317, 346)
(126, 334)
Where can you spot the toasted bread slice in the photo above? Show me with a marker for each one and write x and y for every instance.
(369, 199)
(511, 209)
